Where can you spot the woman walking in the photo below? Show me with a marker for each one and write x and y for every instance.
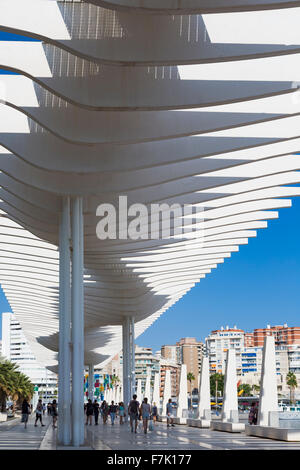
(54, 413)
(154, 413)
(104, 411)
(25, 412)
(145, 411)
(39, 413)
(121, 412)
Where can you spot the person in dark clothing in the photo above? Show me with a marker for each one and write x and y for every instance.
(26, 410)
(154, 412)
(133, 411)
(54, 413)
(104, 411)
(39, 413)
(96, 411)
(252, 419)
(89, 411)
(113, 411)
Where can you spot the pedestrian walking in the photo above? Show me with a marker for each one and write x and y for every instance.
(26, 410)
(145, 411)
(104, 411)
(49, 409)
(252, 418)
(39, 413)
(54, 413)
(112, 412)
(170, 415)
(154, 413)
(96, 411)
(89, 411)
(44, 409)
(133, 412)
(122, 413)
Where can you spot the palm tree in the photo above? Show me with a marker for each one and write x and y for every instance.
(13, 384)
(190, 377)
(291, 381)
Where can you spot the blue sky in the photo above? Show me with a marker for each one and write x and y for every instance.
(258, 285)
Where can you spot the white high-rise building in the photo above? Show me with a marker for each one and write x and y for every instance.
(217, 344)
(15, 348)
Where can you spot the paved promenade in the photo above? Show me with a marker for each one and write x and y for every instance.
(179, 437)
(14, 436)
(108, 437)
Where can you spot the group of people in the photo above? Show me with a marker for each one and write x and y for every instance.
(136, 412)
(113, 410)
(39, 412)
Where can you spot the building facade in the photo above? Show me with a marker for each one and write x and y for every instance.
(15, 348)
(174, 368)
(217, 344)
(190, 352)
(145, 361)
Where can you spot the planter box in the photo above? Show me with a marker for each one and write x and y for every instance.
(198, 423)
(3, 417)
(227, 427)
(179, 420)
(279, 434)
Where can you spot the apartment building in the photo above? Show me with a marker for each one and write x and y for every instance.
(15, 348)
(217, 344)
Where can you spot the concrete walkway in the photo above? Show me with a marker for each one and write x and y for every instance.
(14, 436)
(177, 438)
(108, 437)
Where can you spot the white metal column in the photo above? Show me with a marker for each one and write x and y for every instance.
(91, 382)
(77, 324)
(64, 359)
(132, 362)
(126, 363)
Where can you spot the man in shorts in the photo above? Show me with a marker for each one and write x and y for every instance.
(170, 415)
(133, 411)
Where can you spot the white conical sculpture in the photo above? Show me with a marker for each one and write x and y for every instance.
(268, 400)
(139, 391)
(204, 391)
(167, 392)
(182, 406)
(118, 394)
(147, 393)
(230, 400)
(156, 391)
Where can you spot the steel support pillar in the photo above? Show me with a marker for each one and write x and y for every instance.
(128, 359)
(77, 325)
(91, 382)
(64, 355)
(132, 344)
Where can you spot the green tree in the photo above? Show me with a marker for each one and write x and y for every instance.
(13, 384)
(246, 390)
(291, 381)
(216, 383)
(190, 377)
